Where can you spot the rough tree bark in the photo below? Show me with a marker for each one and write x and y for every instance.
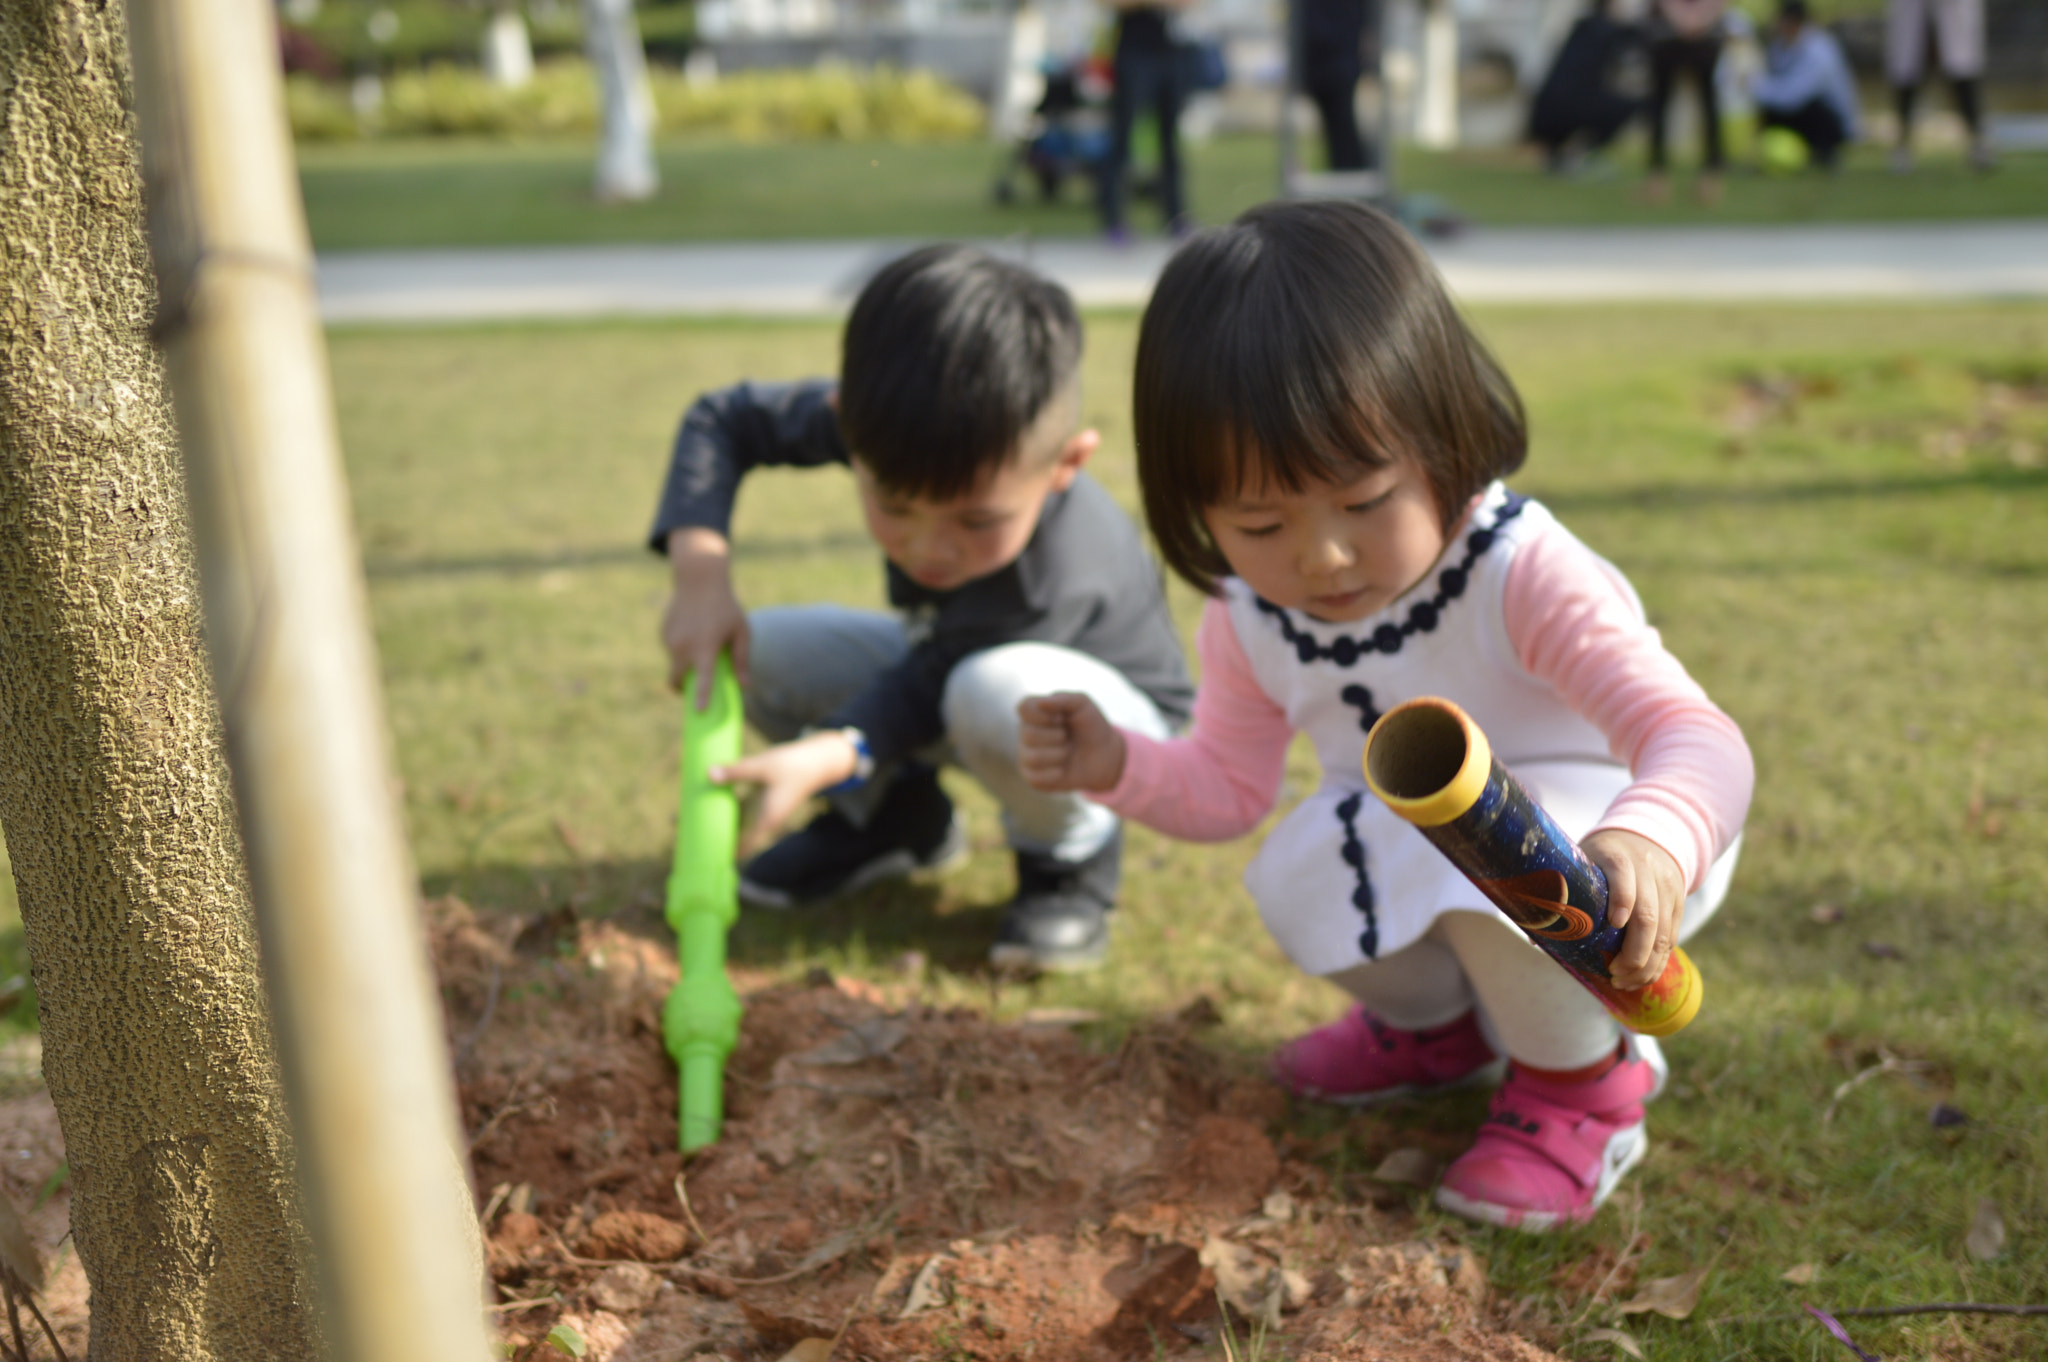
(114, 794)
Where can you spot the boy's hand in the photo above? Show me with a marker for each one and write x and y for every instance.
(788, 773)
(703, 615)
(1066, 744)
(1645, 894)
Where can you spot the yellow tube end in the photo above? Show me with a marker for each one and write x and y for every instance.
(1427, 761)
(1684, 1007)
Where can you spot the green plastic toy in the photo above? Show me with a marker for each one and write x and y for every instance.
(701, 1021)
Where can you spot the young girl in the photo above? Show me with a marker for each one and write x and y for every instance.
(1320, 439)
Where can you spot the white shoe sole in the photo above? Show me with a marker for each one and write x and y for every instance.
(1625, 1149)
(894, 865)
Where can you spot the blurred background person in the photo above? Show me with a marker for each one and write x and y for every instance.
(1958, 30)
(1332, 60)
(1685, 40)
(1150, 74)
(1579, 108)
(1805, 86)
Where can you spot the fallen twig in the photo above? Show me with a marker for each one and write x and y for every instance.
(48, 1332)
(1871, 1311)
(505, 1113)
(1890, 1064)
(683, 1195)
(513, 1307)
(814, 1261)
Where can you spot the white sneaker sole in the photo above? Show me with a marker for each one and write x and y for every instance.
(1625, 1149)
(894, 865)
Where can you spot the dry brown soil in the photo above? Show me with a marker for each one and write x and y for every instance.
(893, 1183)
(908, 1182)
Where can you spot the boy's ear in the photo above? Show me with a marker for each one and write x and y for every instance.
(1073, 457)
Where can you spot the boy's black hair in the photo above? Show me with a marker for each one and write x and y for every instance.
(949, 358)
(1308, 343)
(1794, 12)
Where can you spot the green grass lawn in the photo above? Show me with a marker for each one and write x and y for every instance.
(1837, 517)
(450, 192)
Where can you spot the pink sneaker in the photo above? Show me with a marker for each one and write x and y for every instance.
(1550, 1152)
(1359, 1059)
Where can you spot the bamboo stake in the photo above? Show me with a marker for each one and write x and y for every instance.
(367, 1068)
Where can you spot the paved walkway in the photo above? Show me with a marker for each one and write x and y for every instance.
(1527, 264)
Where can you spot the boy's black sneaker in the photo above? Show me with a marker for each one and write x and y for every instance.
(913, 828)
(1059, 921)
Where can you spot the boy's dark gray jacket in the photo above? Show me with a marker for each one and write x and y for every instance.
(1084, 581)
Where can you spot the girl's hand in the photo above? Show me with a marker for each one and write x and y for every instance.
(1645, 895)
(788, 773)
(1065, 744)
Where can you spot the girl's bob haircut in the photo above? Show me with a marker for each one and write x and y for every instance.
(1308, 343)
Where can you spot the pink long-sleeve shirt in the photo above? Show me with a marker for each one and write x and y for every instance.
(1572, 623)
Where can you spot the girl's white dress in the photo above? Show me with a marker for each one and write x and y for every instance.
(1342, 880)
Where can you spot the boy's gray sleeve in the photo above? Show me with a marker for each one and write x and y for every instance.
(728, 433)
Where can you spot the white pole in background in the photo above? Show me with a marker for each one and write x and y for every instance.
(625, 153)
(1436, 122)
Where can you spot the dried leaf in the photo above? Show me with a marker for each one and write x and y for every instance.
(1623, 1341)
(870, 1039)
(1883, 950)
(1986, 1239)
(1671, 1297)
(1411, 1167)
(1943, 1116)
(1278, 1206)
(1296, 1290)
(1826, 914)
(811, 1350)
(1804, 1274)
(926, 1290)
(564, 1338)
(1243, 1278)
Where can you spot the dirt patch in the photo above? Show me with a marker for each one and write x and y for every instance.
(911, 1182)
(908, 1182)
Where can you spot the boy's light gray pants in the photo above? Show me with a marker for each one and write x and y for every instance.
(808, 660)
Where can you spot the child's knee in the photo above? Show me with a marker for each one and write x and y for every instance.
(979, 708)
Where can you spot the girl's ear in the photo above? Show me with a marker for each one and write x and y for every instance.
(1073, 457)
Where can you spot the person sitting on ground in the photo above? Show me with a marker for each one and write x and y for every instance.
(1321, 442)
(1805, 85)
(1578, 110)
(958, 410)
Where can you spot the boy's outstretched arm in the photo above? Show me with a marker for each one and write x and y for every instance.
(789, 773)
(1064, 743)
(725, 435)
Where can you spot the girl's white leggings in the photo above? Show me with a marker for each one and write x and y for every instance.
(1531, 1009)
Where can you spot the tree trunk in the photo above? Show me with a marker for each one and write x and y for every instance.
(114, 794)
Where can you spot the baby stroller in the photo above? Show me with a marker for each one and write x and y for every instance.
(1068, 135)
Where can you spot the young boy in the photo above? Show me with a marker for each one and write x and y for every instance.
(1012, 573)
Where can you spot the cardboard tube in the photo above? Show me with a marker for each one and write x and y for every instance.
(1433, 766)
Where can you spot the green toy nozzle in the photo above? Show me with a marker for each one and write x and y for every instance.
(701, 1021)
